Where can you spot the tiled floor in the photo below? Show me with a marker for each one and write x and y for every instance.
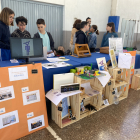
(116, 122)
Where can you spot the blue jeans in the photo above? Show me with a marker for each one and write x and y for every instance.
(5, 54)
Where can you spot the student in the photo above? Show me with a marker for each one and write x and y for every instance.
(89, 23)
(74, 30)
(21, 32)
(110, 33)
(6, 20)
(78, 27)
(46, 36)
(80, 35)
(93, 38)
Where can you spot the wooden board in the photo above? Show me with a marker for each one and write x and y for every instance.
(82, 50)
(136, 82)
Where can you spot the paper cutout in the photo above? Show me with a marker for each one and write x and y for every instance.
(18, 73)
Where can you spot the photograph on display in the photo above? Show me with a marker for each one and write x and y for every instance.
(36, 123)
(9, 119)
(31, 97)
(6, 93)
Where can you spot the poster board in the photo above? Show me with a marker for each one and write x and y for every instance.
(133, 53)
(116, 44)
(24, 118)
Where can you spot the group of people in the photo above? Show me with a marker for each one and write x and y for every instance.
(7, 19)
(85, 33)
(82, 33)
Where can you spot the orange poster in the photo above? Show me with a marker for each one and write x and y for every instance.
(22, 101)
(133, 53)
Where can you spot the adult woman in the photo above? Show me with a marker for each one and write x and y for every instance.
(6, 20)
(74, 30)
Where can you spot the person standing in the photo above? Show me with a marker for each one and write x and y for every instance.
(6, 20)
(110, 28)
(21, 31)
(88, 33)
(74, 30)
(93, 38)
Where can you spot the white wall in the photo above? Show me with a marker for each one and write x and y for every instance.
(128, 9)
(59, 2)
(96, 9)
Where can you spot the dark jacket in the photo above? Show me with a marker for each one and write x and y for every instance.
(4, 36)
(81, 38)
(5, 41)
(50, 37)
(20, 34)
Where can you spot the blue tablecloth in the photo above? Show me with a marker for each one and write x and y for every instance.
(47, 73)
(92, 59)
(89, 60)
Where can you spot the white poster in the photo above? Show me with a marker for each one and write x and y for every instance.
(31, 97)
(18, 73)
(7, 93)
(27, 47)
(124, 60)
(9, 119)
(56, 96)
(36, 123)
(116, 44)
(101, 61)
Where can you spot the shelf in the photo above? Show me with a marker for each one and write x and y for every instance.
(120, 84)
(66, 124)
(86, 113)
(87, 97)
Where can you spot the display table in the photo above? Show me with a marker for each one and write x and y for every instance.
(47, 73)
(88, 60)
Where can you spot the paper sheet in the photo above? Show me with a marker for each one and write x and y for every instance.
(56, 96)
(9, 119)
(104, 79)
(55, 65)
(88, 90)
(56, 59)
(124, 60)
(18, 73)
(14, 61)
(7, 93)
(50, 55)
(31, 97)
(36, 123)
